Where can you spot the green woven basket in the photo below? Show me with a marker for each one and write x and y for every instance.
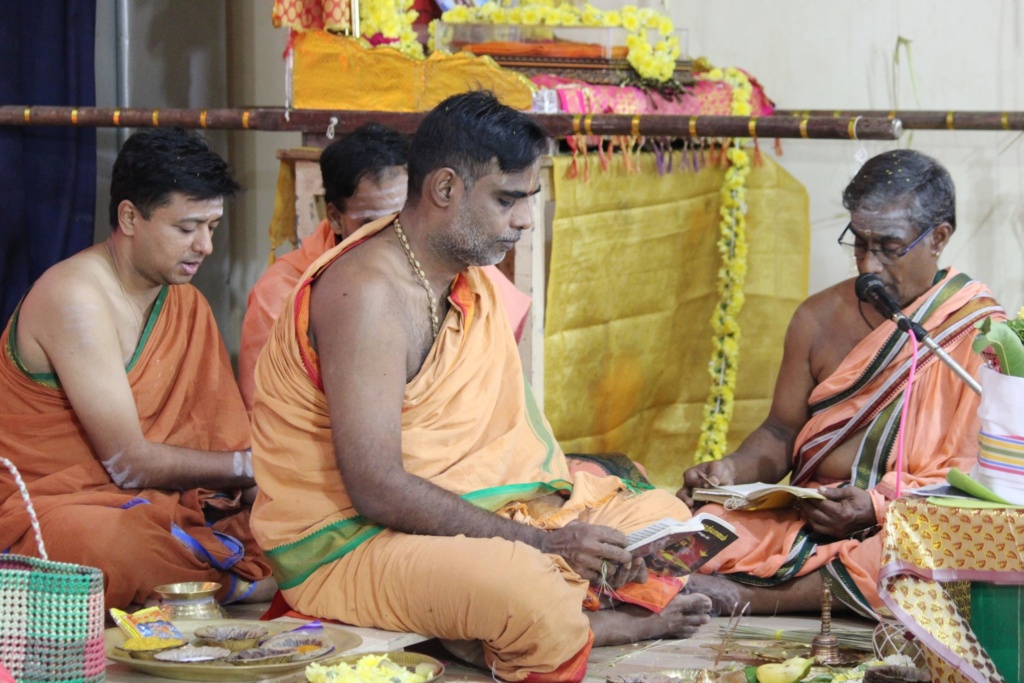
(51, 614)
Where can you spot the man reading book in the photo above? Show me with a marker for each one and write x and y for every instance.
(408, 480)
(834, 418)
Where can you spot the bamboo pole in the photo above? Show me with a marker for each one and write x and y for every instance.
(927, 120)
(323, 121)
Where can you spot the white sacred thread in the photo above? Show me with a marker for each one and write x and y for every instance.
(241, 463)
(120, 473)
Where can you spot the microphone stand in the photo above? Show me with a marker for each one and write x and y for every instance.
(910, 327)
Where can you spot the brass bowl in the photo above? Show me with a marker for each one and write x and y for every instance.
(190, 590)
(190, 600)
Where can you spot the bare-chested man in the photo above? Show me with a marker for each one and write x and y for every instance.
(835, 413)
(365, 178)
(408, 480)
(117, 399)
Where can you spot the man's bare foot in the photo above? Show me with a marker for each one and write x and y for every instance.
(628, 623)
(802, 594)
(726, 596)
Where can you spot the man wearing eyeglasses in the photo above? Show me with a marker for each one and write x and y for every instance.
(835, 415)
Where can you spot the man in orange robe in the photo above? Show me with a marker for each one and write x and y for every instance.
(117, 399)
(408, 481)
(364, 176)
(835, 417)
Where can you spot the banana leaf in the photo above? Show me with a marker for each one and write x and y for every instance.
(1004, 342)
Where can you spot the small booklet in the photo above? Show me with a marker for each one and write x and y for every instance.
(755, 496)
(673, 548)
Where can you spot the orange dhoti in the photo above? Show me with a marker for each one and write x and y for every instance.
(186, 396)
(469, 425)
(523, 605)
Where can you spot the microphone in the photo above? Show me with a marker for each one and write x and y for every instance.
(871, 290)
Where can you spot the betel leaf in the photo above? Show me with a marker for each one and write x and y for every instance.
(1004, 342)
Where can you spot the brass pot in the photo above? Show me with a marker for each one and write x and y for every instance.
(191, 600)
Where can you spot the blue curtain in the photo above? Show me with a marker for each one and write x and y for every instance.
(47, 174)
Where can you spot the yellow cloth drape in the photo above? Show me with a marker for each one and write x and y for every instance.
(282, 222)
(632, 287)
(332, 72)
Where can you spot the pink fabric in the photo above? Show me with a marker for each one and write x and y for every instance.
(517, 304)
(705, 98)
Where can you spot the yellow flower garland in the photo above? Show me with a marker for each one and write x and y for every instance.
(732, 245)
(390, 19)
(653, 62)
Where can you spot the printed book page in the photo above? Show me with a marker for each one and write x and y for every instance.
(756, 496)
(671, 547)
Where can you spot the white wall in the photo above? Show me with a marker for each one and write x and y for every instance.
(256, 79)
(810, 54)
(177, 57)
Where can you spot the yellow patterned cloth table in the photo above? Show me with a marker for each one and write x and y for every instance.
(925, 544)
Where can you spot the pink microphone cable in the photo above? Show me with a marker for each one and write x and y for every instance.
(903, 414)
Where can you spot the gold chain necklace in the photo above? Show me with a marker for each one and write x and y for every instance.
(135, 315)
(435, 325)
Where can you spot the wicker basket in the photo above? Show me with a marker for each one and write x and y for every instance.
(51, 614)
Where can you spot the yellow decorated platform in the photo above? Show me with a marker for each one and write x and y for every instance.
(334, 72)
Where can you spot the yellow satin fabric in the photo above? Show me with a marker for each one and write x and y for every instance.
(634, 268)
(282, 222)
(333, 72)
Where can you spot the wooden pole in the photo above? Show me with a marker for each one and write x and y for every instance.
(927, 120)
(321, 121)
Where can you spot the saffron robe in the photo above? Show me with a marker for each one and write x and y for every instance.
(267, 298)
(469, 425)
(864, 397)
(186, 396)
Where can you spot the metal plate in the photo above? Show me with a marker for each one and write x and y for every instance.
(221, 671)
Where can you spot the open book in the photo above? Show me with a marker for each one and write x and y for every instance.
(755, 496)
(671, 547)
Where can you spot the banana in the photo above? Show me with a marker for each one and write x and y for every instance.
(789, 671)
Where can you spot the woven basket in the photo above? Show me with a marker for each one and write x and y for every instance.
(51, 614)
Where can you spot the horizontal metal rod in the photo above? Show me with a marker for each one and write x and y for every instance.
(926, 120)
(556, 125)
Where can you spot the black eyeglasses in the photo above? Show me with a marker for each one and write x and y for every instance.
(887, 254)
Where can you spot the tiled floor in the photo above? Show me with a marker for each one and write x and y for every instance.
(678, 658)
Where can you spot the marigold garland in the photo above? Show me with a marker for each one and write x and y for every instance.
(732, 245)
(652, 62)
(388, 23)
